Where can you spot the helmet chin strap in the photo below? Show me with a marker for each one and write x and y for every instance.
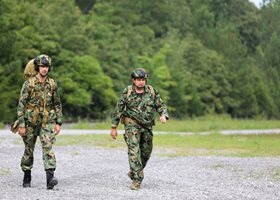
(43, 76)
(139, 89)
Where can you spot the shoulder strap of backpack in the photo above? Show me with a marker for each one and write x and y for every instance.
(129, 90)
(152, 90)
(52, 83)
(31, 85)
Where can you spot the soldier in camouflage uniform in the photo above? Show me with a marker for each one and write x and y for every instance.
(39, 113)
(135, 110)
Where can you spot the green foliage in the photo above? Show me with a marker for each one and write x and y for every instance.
(1, 125)
(215, 56)
(85, 85)
(158, 71)
(12, 77)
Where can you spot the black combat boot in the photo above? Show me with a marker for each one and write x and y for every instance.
(51, 180)
(27, 179)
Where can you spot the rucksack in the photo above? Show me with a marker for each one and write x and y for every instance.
(29, 70)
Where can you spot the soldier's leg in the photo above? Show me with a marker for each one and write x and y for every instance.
(47, 138)
(132, 139)
(28, 157)
(29, 142)
(146, 145)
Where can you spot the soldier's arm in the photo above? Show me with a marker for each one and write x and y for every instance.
(57, 105)
(23, 99)
(161, 107)
(117, 114)
(114, 133)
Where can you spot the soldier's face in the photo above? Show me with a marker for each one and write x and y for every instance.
(139, 82)
(43, 70)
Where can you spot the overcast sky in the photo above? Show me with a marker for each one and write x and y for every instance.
(256, 2)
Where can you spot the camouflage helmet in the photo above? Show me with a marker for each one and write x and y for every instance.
(139, 73)
(42, 60)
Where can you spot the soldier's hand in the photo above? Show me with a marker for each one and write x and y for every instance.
(21, 131)
(114, 133)
(162, 119)
(57, 129)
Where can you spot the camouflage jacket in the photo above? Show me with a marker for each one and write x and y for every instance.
(140, 107)
(31, 99)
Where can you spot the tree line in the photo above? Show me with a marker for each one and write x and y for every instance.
(204, 57)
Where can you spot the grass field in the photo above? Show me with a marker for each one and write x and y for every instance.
(209, 123)
(194, 144)
(190, 145)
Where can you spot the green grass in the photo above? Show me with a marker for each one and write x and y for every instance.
(5, 171)
(215, 123)
(97, 140)
(2, 125)
(196, 144)
(86, 125)
(190, 145)
(202, 124)
(216, 144)
(276, 173)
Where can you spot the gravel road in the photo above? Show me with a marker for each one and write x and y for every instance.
(97, 173)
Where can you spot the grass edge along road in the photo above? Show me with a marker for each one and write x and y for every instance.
(201, 124)
(189, 145)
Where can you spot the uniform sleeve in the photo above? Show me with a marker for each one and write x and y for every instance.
(161, 107)
(117, 114)
(57, 105)
(23, 99)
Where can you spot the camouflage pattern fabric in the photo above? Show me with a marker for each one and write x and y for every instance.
(139, 141)
(43, 60)
(36, 99)
(138, 136)
(40, 92)
(140, 107)
(47, 139)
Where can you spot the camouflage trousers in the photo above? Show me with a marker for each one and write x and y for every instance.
(47, 139)
(139, 141)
